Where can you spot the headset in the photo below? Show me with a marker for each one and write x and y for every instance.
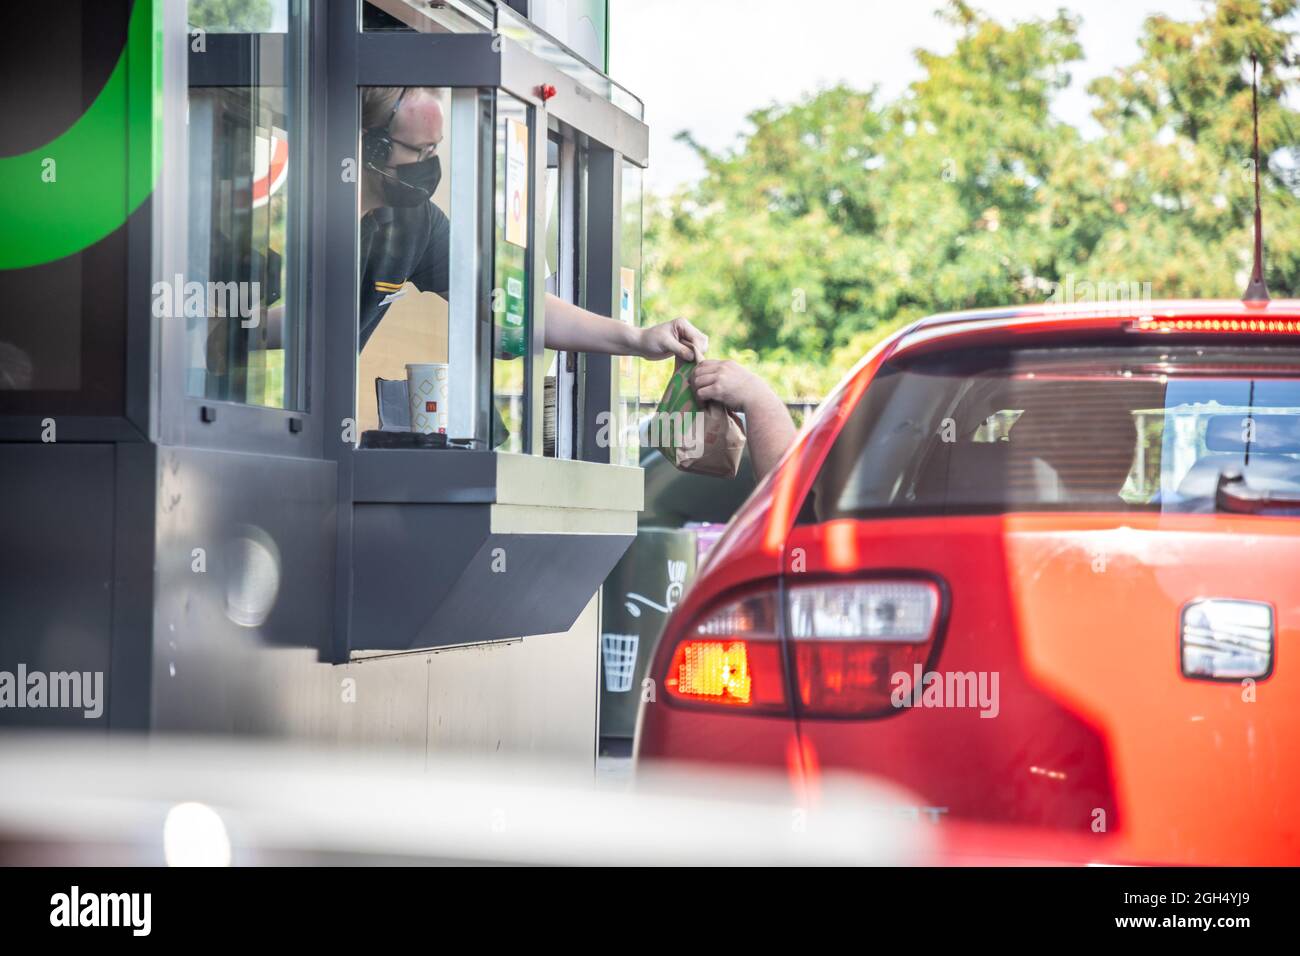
(376, 143)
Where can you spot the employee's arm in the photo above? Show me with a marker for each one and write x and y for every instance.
(572, 329)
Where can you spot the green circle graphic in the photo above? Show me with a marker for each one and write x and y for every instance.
(81, 186)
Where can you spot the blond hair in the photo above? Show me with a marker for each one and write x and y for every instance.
(377, 104)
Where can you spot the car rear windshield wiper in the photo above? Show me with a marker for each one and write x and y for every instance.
(1234, 495)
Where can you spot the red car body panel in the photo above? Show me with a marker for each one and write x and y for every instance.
(1102, 749)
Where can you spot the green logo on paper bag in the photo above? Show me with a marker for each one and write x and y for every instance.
(675, 420)
(678, 396)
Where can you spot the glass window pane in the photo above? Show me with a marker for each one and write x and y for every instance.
(511, 280)
(522, 31)
(404, 246)
(1078, 429)
(242, 298)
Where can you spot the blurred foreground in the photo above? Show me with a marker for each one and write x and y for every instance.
(185, 801)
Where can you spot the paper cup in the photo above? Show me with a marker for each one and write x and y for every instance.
(426, 385)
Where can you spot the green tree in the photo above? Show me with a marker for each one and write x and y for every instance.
(1166, 195)
(231, 16)
(838, 217)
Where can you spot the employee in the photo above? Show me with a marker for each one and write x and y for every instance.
(406, 238)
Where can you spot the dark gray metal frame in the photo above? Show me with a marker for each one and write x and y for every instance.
(602, 241)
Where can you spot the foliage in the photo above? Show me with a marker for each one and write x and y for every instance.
(840, 216)
(230, 16)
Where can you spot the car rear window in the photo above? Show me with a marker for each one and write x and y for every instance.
(1066, 429)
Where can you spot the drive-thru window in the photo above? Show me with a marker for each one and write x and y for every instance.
(300, 417)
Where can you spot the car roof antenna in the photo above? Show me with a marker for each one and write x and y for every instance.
(1256, 290)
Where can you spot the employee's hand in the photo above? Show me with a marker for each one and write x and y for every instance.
(571, 329)
(677, 338)
(728, 383)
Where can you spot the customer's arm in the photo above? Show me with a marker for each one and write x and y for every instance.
(768, 425)
(574, 329)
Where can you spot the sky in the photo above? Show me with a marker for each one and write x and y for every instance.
(703, 65)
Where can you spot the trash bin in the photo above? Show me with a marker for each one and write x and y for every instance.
(683, 516)
(639, 593)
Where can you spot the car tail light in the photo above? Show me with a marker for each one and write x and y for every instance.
(1248, 326)
(731, 657)
(851, 638)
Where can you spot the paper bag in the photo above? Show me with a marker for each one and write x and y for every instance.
(702, 438)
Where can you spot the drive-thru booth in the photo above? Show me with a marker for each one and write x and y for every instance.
(209, 491)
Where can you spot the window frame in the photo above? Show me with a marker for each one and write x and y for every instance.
(483, 62)
(199, 422)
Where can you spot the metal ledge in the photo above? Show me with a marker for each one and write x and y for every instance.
(561, 483)
(427, 576)
(527, 519)
(461, 547)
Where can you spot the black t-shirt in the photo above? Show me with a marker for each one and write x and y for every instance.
(400, 244)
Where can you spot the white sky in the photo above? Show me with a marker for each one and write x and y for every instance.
(702, 65)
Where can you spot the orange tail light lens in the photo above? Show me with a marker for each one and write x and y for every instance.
(712, 670)
(731, 658)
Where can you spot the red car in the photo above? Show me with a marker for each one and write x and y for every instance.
(1038, 567)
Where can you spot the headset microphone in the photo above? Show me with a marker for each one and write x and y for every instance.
(400, 184)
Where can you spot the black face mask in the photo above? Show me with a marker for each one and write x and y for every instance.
(412, 183)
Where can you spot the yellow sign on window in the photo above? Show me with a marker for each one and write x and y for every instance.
(517, 183)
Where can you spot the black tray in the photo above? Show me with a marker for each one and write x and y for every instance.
(383, 439)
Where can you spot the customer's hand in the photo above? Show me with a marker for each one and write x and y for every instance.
(726, 382)
(767, 421)
(675, 339)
